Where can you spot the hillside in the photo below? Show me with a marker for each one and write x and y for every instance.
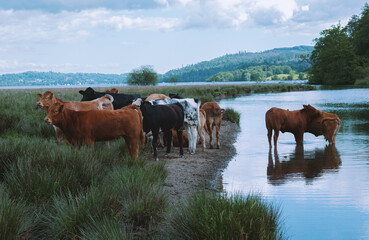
(240, 66)
(242, 60)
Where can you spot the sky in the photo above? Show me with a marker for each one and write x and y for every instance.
(117, 36)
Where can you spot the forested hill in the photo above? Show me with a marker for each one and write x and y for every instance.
(204, 70)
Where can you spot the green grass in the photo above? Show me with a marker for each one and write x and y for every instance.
(231, 115)
(217, 216)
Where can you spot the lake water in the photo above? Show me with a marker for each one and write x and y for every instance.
(323, 191)
(83, 86)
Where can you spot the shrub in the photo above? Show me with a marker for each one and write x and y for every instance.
(216, 216)
(231, 115)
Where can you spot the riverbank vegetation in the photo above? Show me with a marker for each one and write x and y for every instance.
(60, 192)
(341, 55)
(218, 216)
(211, 92)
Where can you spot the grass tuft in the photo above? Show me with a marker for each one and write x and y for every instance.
(217, 216)
(231, 115)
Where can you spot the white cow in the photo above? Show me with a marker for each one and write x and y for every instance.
(191, 117)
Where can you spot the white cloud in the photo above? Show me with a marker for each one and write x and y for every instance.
(38, 26)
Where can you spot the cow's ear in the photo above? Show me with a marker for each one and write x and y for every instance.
(39, 95)
(305, 106)
(81, 92)
(61, 108)
(222, 110)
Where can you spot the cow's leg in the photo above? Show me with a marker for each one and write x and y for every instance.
(210, 132)
(169, 136)
(299, 138)
(192, 137)
(59, 135)
(202, 136)
(218, 135)
(132, 144)
(276, 134)
(107, 145)
(155, 134)
(270, 133)
(161, 140)
(180, 139)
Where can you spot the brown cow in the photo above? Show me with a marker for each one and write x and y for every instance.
(48, 99)
(213, 119)
(113, 90)
(297, 122)
(156, 96)
(86, 127)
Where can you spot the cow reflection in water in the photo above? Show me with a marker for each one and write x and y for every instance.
(309, 165)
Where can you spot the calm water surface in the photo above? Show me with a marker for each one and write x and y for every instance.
(323, 191)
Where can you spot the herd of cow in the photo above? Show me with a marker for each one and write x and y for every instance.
(104, 116)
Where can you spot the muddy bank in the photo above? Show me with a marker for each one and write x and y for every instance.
(198, 171)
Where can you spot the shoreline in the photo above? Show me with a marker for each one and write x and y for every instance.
(200, 170)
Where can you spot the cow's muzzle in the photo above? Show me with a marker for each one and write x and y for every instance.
(48, 121)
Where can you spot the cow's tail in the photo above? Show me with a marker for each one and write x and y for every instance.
(142, 135)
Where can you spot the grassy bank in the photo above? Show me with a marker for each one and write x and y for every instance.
(57, 192)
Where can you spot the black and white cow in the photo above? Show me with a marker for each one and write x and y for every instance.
(191, 117)
(164, 118)
(120, 99)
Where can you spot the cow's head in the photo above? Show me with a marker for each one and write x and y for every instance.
(54, 114)
(324, 123)
(46, 100)
(88, 94)
(311, 112)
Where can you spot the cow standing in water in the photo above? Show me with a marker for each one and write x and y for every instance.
(300, 121)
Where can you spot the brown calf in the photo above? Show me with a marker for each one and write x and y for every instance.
(48, 99)
(86, 127)
(213, 119)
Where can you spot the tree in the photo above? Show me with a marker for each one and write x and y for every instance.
(358, 28)
(333, 59)
(145, 75)
(301, 76)
(173, 80)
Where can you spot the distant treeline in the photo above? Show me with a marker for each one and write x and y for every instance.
(239, 63)
(55, 78)
(257, 73)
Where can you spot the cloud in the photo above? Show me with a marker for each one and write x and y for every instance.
(39, 26)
